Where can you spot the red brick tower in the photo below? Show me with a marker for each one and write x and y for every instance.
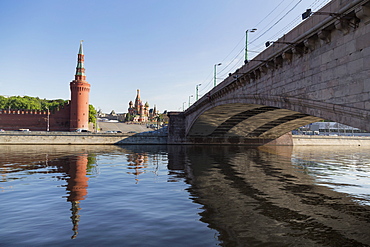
(80, 89)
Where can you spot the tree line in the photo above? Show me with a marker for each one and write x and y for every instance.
(30, 103)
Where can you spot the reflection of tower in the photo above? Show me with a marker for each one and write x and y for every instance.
(137, 163)
(77, 187)
(80, 89)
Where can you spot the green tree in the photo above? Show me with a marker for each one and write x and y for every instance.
(129, 117)
(3, 102)
(92, 114)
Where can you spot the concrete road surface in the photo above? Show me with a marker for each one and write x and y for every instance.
(124, 127)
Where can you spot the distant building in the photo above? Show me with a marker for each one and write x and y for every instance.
(329, 128)
(140, 112)
(111, 116)
(73, 115)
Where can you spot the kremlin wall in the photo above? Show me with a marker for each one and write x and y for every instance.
(72, 116)
(36, 120)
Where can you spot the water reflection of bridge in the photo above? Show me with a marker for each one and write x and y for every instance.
(258, 197)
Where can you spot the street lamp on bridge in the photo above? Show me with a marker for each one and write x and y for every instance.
(189, 99)
(246, 43)
(196, 95)
(183, 106)
(214, 73)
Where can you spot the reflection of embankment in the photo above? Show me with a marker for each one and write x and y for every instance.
(257, 198)
(15, 158)
(69, 163)
(312, 153)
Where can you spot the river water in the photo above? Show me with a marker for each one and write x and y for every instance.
(184, 196)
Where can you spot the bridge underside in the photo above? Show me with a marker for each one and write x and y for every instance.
(247, 121)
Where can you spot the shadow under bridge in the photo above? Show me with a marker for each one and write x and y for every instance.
(247, 121)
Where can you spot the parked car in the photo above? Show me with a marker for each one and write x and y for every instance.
(110, 131)
(82, 130)
(24, 130)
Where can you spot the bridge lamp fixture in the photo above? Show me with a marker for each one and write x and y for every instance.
(309, 12)
(306, 14)
(246, 42)
(214, 73)
(257, 60)
(268, 43)
(183, 106)
(196, 95)
(189, 99)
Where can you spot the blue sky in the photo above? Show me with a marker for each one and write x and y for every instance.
(162, 47)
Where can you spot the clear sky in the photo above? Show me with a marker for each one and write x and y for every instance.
(162, 47)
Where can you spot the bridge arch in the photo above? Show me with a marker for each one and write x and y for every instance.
(264, 116)
(246, 117)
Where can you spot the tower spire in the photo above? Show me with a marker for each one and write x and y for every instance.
(81, 51)
(80, 69)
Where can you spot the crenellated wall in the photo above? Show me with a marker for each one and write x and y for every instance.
(35, 119)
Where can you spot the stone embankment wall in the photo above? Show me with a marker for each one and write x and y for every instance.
(65, 138)
(307, 140)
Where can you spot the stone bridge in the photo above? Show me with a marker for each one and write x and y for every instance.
(319, 70)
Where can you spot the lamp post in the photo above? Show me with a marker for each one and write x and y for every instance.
(196, 95)
(48, 125)
(189, 99)
(246, 42)
(214, 74)
(183, 106)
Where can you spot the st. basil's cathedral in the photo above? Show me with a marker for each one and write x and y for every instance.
(140, 112)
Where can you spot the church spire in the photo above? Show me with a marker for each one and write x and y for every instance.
(137, 100)
(80, 69)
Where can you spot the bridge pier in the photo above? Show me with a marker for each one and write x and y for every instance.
(176, 128)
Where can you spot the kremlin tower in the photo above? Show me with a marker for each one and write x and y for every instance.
(80, 89)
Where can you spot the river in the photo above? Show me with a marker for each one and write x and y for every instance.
(153, 195)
